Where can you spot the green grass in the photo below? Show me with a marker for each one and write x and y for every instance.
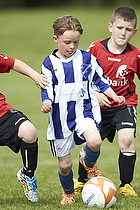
(27, 35)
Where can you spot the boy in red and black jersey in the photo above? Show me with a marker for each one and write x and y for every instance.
(17, 132)
(120, 61)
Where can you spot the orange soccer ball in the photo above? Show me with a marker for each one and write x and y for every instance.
(99, 192)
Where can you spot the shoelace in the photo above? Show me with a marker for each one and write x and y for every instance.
(32, 183)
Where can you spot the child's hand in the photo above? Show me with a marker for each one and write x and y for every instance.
(102, 99)
(120, 100)
(46, 107)
(42, 81)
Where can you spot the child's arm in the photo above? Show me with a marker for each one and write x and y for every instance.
(40, 80)
(47, 93)
(118, 99)
(102, 99)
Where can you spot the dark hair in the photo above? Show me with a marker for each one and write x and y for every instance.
(126, 13)
(66, 22)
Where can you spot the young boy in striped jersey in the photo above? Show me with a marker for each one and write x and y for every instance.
(74, 110)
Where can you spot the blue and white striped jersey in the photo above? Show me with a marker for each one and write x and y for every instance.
(71, 92)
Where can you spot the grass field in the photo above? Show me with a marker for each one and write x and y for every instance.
(27, 35)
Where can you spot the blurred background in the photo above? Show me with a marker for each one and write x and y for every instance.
(40, 3)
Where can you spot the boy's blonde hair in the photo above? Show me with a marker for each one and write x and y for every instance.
(65, 23)
(126, 13)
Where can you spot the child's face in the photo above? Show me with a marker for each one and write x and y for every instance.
(67, 43)
(122, 31)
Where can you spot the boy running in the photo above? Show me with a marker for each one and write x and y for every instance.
(74, 110)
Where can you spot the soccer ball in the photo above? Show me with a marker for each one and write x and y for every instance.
(99, 192)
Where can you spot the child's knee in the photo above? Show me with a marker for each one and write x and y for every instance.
(32, 134)
(95, 145)
(65, 168)
(27, 132)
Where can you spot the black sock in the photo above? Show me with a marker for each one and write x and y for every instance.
(126, 167)
(29, 154)
(83, 176)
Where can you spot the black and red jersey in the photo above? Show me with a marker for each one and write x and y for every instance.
(6, 64)
(119, 69)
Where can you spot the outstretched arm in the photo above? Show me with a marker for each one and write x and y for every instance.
(118, 99)
(102, 99)
(21, 67)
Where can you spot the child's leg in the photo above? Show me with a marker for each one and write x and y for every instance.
(94, 141)
(66, 174)
(88, 160)
(91, 157)
(67, 182)
(61, 148)
(29, 152)
(66, 179)
(29, 147)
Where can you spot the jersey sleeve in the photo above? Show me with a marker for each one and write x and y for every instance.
(6, 63)
(47, 94)
(99, 81)
(138, 67)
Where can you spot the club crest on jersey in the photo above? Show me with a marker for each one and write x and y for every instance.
(82, 92)
(122, 71)
(86, 71)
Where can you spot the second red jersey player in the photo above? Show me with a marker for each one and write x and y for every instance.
(119, 69)
(120, 61)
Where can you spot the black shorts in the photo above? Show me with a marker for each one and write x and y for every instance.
(115, 119)
(9, 124)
